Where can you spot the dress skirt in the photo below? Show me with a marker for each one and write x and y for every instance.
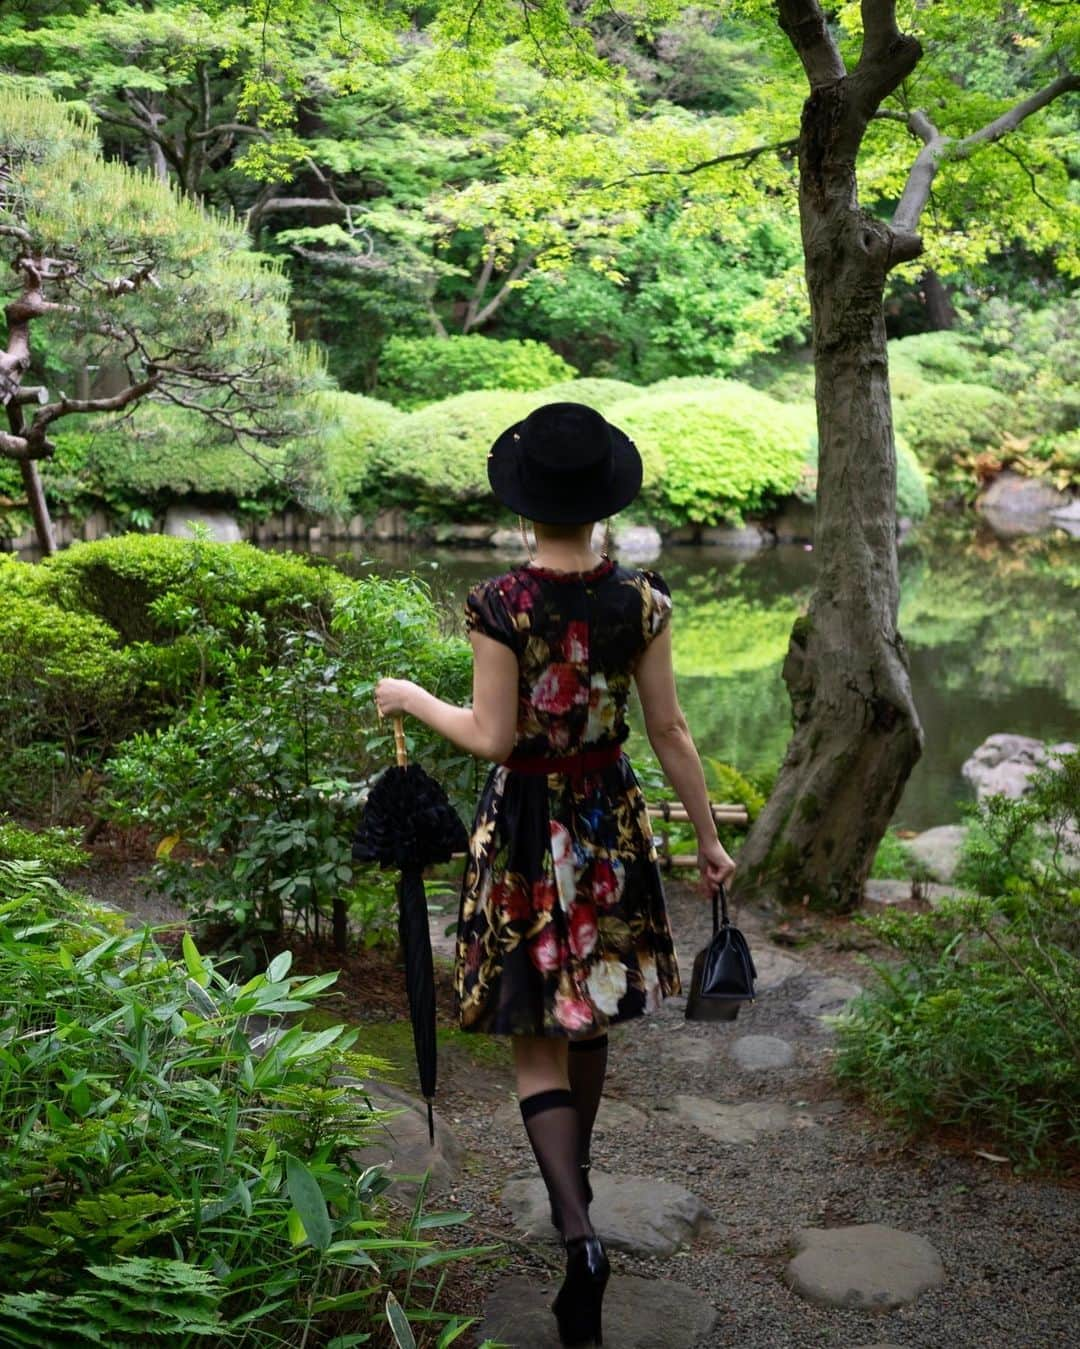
(563, 928)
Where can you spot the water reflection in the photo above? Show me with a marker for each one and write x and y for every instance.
(991, 627)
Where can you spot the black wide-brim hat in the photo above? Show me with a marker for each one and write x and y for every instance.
(564, 465)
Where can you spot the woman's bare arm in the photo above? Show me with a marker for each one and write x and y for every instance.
(487, 729)
(670, 738)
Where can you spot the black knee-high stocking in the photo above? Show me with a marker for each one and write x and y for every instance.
(552, 1124)
(587, 1068)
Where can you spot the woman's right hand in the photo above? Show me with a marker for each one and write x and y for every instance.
(715, 864)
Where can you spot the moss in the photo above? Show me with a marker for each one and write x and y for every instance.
(809, 807)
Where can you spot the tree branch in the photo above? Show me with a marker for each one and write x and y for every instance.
(64, 406)
(887, 57)
(808, 32)
(920, 178)
(500, 295)
(733, 157)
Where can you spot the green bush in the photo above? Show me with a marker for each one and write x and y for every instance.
(132, 582)
(594, 391)
(253, 794)
(944, 422)
(350, 428)
(978, 1027)
(58, 850)
(434, 462)
(715, 454)
(951, 357)
(418, 370)
(160, 1165)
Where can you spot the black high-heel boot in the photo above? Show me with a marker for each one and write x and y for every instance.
(580, 1300)
(556, 1217)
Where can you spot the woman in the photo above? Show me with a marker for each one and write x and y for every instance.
(563, 930)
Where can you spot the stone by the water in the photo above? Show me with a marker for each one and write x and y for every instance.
(1003, 764)
(181, 521)
(938, 849)
(827, 996)
(742, 1123)
(866, 1266)
(759, 1052)
(638, 1314)
(639, 1214)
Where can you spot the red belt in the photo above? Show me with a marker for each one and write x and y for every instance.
(573, 765)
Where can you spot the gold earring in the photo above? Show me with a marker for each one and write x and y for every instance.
(525, 538)
(609, 539)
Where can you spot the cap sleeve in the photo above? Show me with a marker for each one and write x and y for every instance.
(658, 602)
(486, 613)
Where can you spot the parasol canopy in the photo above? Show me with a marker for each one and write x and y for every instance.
(409, 824)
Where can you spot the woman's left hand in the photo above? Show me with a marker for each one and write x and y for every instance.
(393, 696)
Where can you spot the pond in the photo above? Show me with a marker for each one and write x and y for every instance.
(991, 627)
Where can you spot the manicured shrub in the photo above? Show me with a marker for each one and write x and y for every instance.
(943, 422)
(715, 454)
(159, 1166)
(136, 582)
(434, 462)
(350, 428)
(418, 370)
(65, 684)
(948, 357)
(978, 1025)
(592, 390)
(912, 490)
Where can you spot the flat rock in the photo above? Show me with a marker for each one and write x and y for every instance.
(1003, 764)
(886, 894)
(827, 996)
(759, 1052)
(613, 1117)
(773, 967)
(639, 543)
(867, 1266)
(1013, 494)
(938, 849)
(638, 1314)
(742, 1123)
(402, 1143)
(182, 521)
(640, 1214)
(743, 539)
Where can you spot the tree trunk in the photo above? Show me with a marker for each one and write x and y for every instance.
(35, 492)
(856, 730)
(940, 313)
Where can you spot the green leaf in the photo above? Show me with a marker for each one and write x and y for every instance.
(194, 961)
(399, 1324)
(309, 1203)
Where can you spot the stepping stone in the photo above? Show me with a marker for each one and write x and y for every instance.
(758, 1052)
(828, 996)
(638, 1314)
(867, 1266)
(402, 1145)
(773, 968)
(743, 1123)
(939, 849)
(614, 1117)
(639, 1214)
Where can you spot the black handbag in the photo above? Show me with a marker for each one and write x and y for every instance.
(724, 971)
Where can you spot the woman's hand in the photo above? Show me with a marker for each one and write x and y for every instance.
(394, 696)
(715, 865)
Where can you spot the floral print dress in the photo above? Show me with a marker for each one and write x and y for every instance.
(563, 928)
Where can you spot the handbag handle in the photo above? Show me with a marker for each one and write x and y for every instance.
(719, 906)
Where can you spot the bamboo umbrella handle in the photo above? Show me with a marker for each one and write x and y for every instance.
(399, 741)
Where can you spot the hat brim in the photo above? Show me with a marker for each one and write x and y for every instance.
(559, 507)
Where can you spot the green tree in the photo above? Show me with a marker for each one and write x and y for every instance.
(112, 270)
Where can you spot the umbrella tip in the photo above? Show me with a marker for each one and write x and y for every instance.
(430, 1122)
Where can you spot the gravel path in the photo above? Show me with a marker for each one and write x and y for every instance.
(1009, 1246)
